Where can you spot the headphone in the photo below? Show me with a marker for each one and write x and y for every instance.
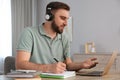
(49, 16)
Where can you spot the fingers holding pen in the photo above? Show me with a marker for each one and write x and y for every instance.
(61, 66)
(58, 67)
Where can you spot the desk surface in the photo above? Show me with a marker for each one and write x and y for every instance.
(77, 77)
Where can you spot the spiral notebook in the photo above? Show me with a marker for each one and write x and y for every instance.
(66, 74)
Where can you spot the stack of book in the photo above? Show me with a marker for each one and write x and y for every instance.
(23, 74)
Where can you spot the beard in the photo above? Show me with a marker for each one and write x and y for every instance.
(56, 28)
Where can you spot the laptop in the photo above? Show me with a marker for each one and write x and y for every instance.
(100, 73)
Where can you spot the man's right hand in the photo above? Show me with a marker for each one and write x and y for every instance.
(58, 67)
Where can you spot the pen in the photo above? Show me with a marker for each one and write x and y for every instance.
(55, 59)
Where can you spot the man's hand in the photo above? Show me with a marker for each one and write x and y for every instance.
(58, 67)
(90, 63)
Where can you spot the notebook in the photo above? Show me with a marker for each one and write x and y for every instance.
(66, 74)
(100, 73)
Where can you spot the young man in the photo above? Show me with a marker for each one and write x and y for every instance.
(45, 48)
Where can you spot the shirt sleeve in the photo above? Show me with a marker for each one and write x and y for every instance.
(25, 42)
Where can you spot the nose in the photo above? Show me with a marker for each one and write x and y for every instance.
(65, 23)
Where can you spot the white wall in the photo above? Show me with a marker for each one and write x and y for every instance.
(5, 32)
(98, 21)
(93, 20)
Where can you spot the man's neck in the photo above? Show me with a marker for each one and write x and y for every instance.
(49, 31)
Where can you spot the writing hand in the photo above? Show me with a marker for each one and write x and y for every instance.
(58, 67)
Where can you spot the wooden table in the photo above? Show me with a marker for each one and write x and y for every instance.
(115, 76)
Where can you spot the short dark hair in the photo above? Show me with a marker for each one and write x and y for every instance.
(57, 5)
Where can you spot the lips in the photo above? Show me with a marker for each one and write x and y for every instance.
(62, 27)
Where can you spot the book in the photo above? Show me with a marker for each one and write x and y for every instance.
(27, 78)
(65, 74)
(23, 74)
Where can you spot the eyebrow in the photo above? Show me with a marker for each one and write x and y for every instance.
(64, 17)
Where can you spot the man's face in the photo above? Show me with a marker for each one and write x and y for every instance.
(60, 20)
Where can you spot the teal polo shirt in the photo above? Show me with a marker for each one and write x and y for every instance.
(41, 47)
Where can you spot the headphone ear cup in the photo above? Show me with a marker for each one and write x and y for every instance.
(47, 17)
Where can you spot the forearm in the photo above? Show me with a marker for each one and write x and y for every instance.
(74, 66)
(83, 65)
(32, 66)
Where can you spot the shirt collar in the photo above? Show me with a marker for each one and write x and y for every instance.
(42, 32)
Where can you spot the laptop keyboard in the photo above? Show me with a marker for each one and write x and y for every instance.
(95, 72)
(92, 73)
